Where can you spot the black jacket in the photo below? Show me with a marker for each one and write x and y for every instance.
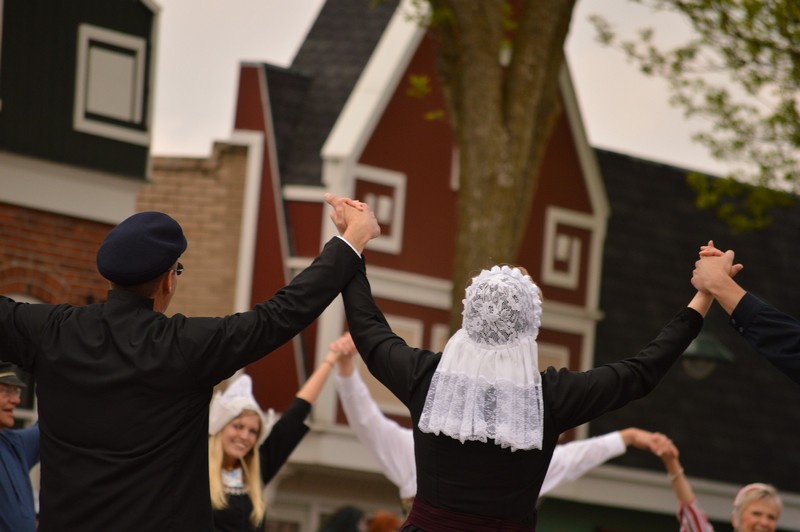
(124, 391)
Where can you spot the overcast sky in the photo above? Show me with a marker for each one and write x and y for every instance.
(202, 42)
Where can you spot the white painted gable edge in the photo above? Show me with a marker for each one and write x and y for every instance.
(374, 88)
(376, 85)
(372, 93)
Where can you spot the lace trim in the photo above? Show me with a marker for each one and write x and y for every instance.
(233, 482)
(473, 409)
(501, 306)
(487, 384)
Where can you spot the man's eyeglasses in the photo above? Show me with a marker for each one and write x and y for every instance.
(10, 390)
(178, 269)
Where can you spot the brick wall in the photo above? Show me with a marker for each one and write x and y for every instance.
(49, 256)
(205, 196)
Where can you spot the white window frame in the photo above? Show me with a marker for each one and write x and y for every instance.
(81, 121)
(397, 180)
(562, 247)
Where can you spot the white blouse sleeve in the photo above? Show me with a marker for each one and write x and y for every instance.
(574, 459)
(392, 444)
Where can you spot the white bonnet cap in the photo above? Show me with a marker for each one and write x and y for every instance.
(228, 405)
(502, 306)
(487, 384)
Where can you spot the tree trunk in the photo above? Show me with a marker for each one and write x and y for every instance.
(501, 115)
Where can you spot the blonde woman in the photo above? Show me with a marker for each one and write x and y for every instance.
(246, 449)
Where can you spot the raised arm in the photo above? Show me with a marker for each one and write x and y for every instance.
(690, 515)
(771, 332)
(576, 458)
(313, 386)
(391, 444)
(393, 362)
(701, 302)
(583, 396)
(215, 348)
(289, 430)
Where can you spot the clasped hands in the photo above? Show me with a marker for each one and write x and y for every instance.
(712, 267)
(355, 220)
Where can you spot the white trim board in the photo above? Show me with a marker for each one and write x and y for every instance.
(68, 190)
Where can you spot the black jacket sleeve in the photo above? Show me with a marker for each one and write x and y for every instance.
(396, 365)
(578, 397)
(774, 334)
(285, 435)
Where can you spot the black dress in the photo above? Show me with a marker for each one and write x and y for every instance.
(484, 479)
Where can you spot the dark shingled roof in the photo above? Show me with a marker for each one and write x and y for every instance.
(331, 58)
(740, 424)
(287, 95)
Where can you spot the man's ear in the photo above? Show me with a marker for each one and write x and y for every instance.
(163, 292)
(168, 283)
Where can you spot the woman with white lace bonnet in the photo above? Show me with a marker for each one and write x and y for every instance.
(247, 447)
(485, 419)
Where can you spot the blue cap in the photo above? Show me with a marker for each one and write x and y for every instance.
(8, 375)
(140, 248)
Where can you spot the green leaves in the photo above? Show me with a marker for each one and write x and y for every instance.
(419, 86)
(740, 73)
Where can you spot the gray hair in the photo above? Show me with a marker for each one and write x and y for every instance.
(751, 493)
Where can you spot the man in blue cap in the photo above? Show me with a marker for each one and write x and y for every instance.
(19, 452)
(124, 390)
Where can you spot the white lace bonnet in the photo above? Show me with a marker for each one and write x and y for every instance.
(487, 384)
(237, 397)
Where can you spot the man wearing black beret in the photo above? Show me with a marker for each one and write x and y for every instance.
(124, 390)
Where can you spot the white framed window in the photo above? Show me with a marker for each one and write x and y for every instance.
(561, 260)
(110, 83)
(384, 191)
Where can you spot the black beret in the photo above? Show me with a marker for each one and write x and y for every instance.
(140, 248)
(8, 375)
